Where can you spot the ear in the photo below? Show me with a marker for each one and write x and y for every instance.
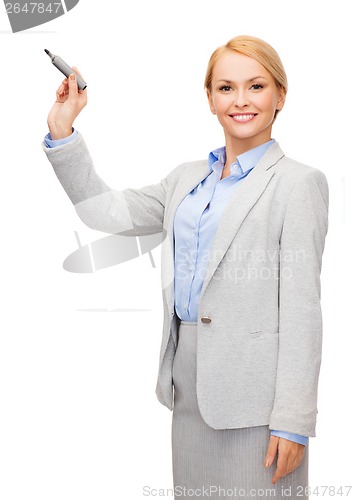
(210, 102)
(281, 99)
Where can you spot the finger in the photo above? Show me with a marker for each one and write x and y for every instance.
(64, 86)
(80, 75)
(73, 89)
(62, 90)
(271, 451)
(282, 464)
(61, 97)
(279, 472)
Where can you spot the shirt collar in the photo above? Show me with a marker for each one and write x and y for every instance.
(246, 161)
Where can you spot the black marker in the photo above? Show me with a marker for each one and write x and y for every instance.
(65, 69)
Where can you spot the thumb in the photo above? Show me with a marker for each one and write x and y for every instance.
(73, 89)
(271, 451)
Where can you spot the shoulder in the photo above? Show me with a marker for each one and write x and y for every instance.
(294, 169)
(300, 177)
(193, 164)
(187, 168)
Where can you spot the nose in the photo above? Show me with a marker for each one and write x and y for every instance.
(241, 99)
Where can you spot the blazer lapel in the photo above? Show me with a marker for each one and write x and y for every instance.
(247, 194)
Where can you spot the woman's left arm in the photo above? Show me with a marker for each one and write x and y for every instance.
(302, 244)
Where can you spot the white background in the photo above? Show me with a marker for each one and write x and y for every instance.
(79, 418)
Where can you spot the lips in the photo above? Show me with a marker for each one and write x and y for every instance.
(243, 117)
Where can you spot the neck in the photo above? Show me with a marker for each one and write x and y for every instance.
(234, 148)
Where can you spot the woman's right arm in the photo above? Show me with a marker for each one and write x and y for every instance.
(99, 206)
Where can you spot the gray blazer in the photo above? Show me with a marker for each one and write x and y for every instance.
(259, 323)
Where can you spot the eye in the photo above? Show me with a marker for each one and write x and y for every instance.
(225, 88)
(257, 86)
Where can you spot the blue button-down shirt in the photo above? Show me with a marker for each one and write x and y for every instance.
(195, 224)
(196, 221)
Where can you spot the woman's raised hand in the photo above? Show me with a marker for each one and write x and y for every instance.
(69, 102)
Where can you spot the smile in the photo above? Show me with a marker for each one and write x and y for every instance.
(243, 118)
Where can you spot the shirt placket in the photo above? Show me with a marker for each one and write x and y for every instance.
(206, 193)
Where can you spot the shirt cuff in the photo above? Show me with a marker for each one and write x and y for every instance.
(52, 143)
(298, 438)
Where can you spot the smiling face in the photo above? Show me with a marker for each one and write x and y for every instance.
(244, 97)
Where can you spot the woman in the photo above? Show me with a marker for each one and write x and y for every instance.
(242, 334)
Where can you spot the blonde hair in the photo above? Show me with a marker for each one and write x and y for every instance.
(257, 49)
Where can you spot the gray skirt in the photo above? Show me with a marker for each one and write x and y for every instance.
(226, 463)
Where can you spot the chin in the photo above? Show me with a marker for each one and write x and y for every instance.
(248, 134)
(245, 136)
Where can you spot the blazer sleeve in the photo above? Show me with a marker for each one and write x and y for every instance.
(302, 244)
(99, 206)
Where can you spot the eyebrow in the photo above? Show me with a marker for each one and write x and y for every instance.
(250, 80)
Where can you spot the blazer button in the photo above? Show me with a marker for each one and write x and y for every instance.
(206, 319)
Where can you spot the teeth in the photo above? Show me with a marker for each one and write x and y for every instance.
(243, 118)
